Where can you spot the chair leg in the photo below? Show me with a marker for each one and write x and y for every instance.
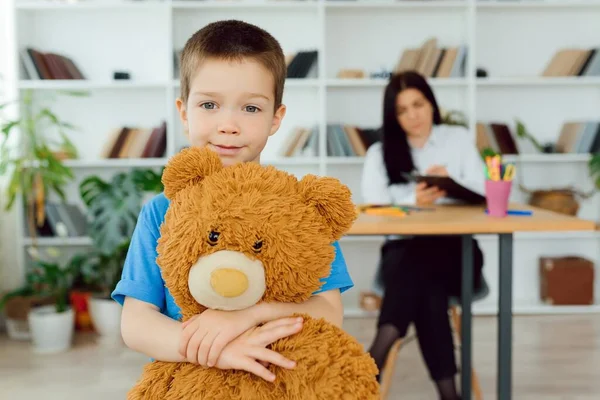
(388, 369)
(474, 380)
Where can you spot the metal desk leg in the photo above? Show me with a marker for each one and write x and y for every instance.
(466, 295)
(505, 318)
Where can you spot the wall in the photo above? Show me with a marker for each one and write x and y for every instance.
(10, 273)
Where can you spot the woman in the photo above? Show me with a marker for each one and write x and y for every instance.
(419, 274)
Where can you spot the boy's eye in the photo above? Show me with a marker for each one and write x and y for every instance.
(252, 109)
(208, 106)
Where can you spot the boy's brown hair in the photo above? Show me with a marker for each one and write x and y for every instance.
(233, 40)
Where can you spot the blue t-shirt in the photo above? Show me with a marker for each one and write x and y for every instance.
(141, 278)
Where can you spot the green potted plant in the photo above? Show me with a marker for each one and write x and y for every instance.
(523, 133)
(52, 326)
(32, 149)
(594, 167)
(113, 208)
(454, 117)
(32, 162)
(15, 306)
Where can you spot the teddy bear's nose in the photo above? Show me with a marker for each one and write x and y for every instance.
(229, 282)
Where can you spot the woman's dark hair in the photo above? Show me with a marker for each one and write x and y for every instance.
(396, 150)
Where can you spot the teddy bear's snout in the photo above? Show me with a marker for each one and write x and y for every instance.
(229, 282)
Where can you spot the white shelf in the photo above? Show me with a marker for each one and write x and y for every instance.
(345, 160)
(117, 163)
(58, 241)
(160, 162)
(90, 5)
(404, 4)
(538, 81)
(289, 83)
(535, 4)
(548, 158)
(370, 82)
(308, 161)
(81, 84)
(264, 4)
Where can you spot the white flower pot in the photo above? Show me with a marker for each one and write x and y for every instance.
(106, 317)
(51, 332)
(18, 329)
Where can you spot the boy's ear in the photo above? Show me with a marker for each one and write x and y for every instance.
(277, 119)
(181, 109)
(332, 200)
(189, 167)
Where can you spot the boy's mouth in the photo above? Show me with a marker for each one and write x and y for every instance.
(226, 150)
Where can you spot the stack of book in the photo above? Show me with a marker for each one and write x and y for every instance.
(39, 65)
(302, 64)
(433, 61)
(496, 136)
(301, 142)
(579, 137)
(574, 62)
(342, 140)
(136, 142)
(61, 220)
(349, 140)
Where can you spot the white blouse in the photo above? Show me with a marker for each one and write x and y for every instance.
(448, 145)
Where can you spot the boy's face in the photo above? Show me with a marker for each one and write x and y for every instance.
(230, 109)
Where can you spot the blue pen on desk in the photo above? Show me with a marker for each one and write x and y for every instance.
(516, 212)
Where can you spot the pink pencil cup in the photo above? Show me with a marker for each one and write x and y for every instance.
(497, 194)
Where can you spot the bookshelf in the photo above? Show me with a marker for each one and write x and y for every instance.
(512, 40)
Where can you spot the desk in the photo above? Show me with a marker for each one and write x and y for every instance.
(467, 221)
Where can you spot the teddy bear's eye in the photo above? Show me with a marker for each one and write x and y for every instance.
(213, 237)
(258, 245)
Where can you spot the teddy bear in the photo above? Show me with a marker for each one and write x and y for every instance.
(234, 236)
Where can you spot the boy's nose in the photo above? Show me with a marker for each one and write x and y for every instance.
(230, 129)
(227, 124)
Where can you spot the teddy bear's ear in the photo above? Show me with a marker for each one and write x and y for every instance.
(332, 200)
(188, 167)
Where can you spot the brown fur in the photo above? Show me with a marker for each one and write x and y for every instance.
(297, 220)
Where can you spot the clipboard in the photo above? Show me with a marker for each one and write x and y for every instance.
(453, 189)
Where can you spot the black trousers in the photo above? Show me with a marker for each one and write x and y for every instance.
(419, 275)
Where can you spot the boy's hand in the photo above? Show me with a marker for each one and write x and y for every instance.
(248, 351)
(204, 336)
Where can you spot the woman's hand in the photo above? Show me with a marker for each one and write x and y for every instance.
(428, 195)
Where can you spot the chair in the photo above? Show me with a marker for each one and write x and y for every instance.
(372, 301)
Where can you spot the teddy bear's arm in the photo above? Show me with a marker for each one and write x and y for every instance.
(155, 381)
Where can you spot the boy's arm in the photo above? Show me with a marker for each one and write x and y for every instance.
(146, 330)
(141, 292)
(327, 305)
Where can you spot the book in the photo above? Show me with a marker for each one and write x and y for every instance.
(452, 188)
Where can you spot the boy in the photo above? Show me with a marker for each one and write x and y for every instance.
(232, 79)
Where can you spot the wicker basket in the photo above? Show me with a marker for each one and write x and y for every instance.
(563, 201)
